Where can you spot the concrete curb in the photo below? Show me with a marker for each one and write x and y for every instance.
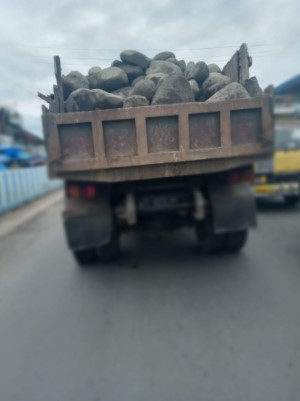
(11, 220)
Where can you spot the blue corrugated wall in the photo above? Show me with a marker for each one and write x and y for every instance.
(23, 185)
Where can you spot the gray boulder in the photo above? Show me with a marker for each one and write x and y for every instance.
(144, 88)
(253, 88)
(189, 67)
(173, 89)
(105, 100)
(156, 77)
(136, 80)
(74, 80)
(123, 92)
(164, 56)
(180, 63)
(269, 91)
(135, 101)
(163, 67)
(194, 87)
(88, 100)
(201, 97)
(230, 92)
(214, 83)
(136, 58)
(132, 71)
(94, 70)
(81, 100)
(109, 79)
(116, 63)
(199, 72)
(214, 68)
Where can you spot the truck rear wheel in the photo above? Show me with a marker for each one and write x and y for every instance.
(209, 241)
(105, 253)
(111, 251)
(86, 257)
(235, 241)
(214, 243)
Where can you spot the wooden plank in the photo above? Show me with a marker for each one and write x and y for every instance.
(237, 68)
(45, 110)
(231, 69)
(57, 70)
(244, 63)
(55, 104)
(44, 97)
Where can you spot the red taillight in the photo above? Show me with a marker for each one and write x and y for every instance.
(233, 177)
(241, 175)
(76, 191)
(89, 191)
(249, 175)
(73, 191)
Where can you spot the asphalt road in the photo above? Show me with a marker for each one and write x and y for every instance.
(165, 323)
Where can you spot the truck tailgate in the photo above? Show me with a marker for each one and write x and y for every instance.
(158, 141)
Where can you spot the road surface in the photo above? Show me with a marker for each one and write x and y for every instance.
(165, 324)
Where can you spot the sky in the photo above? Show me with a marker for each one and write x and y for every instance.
(88, 33)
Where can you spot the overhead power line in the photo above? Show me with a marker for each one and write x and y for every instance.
(147, 49)
(111, 59)
(89, 64)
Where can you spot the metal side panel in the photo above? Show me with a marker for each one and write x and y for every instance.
(142, 137)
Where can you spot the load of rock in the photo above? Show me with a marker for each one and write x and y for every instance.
(136, 80)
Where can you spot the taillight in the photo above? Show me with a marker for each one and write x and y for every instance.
(89, 191)
(249, 175)
(233, 177)
(76, 191)
(73, 191)
(241, 175)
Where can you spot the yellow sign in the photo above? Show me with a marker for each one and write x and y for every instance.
(287, 161)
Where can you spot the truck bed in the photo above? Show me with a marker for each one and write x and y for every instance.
(158, 141)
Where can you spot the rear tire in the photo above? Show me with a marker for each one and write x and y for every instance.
(106, 253)
(215, 243)
(86, 257)
(235, 241)
(209, 241)
(111, 251)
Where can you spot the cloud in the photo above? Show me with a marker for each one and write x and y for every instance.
(94, 32)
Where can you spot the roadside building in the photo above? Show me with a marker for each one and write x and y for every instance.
(13, 134)
(287, 99)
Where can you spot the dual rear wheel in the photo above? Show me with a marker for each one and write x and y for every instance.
(214, 243)
(105, 253)
(209, 242)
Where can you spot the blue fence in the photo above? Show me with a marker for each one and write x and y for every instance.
(23, 185)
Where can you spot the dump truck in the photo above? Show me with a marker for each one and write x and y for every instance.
(157, 168)
(278, 177)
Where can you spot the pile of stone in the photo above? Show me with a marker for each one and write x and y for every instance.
(137, 80)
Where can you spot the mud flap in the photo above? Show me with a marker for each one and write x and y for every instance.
(233, 207)
(88, 225)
